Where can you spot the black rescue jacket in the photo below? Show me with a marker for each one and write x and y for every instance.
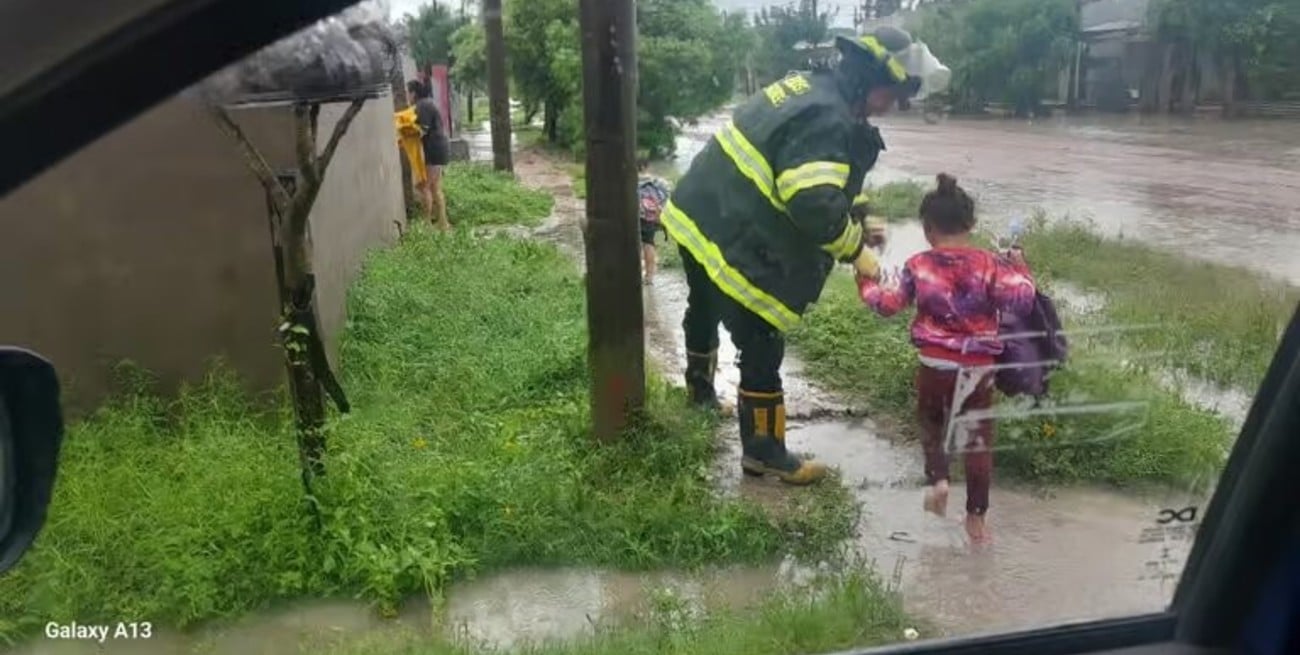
(765, 206)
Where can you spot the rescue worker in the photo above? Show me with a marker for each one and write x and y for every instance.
(763, 214)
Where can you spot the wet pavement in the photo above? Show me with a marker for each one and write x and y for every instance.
(1227, 192)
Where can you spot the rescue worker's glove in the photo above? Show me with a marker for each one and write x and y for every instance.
(866, 266)
(873, 226)
(874, 231)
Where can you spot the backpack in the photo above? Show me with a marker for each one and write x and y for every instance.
(1035, 345)
(652, 197)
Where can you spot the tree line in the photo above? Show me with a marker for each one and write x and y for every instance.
(694, 57)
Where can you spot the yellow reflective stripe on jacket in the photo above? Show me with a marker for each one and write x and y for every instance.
(846, 243)
(895, 67)
(809, 175)
(749, 161)
(731, 281)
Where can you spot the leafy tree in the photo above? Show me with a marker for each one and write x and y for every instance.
(688, 55)
(685, 63)
(469, 72)
(872, 9)
(779, 28)
(537, 33)
(469, 49)
(1253, 41)
(1001, 50)
(430, 33)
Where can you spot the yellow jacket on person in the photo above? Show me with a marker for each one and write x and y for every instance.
(411, 139)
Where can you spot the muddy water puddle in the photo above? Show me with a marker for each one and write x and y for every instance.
(501, 611)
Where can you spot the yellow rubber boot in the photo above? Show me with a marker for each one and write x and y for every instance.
(762, 438)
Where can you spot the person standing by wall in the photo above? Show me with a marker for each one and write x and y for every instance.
(435, 149)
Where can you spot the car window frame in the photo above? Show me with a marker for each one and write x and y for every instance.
(47, 118)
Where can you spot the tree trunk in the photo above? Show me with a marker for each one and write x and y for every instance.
(1072, 93)
(1187, 104)
(1230, 81)
(1165, 94)
(469, 106)
(291, 204)
(615, 316)
(550, 122)
(498, 86)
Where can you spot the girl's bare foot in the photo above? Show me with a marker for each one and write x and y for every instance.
(936, 498)
(977, 530)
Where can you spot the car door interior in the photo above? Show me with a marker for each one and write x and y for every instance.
(31, 432)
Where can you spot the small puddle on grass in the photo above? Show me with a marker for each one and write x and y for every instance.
(502, 611)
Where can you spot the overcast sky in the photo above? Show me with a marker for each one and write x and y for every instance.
(399, 8)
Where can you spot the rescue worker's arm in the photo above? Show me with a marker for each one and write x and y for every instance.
(811, 167)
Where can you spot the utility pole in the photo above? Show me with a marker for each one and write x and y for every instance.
(498, 88)
(615, 316)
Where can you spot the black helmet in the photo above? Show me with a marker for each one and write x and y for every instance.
(876, 51)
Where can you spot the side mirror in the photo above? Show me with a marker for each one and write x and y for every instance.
(31, 431)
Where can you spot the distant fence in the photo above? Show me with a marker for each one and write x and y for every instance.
(1275, 109)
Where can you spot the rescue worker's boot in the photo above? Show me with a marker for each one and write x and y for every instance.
(700, 369)
(762, 438)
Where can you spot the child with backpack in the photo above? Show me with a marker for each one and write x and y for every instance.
(960, 292)
(652, 195)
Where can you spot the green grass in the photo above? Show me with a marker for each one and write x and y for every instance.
(478, 195)
(467, 449)
(835, 614)
(897, 201)
(578, 173)
(1218, 322)
(851, 349)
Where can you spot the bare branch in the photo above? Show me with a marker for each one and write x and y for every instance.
(340, 128)
(256, 162)
(315, 121)
(305, 145)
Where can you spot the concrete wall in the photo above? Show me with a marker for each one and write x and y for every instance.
(359, 207)
(152, 245)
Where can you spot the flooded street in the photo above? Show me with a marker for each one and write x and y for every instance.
(1227, 192)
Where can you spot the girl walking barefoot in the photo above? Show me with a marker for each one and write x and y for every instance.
(958, 290)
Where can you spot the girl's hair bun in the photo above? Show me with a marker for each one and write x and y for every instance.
(947, 184)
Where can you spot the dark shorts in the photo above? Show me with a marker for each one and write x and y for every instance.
(648, 231)
(437, 152)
